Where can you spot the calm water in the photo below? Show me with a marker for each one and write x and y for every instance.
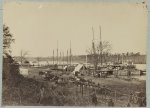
(141, 66)
(51, 62)
(138, 66)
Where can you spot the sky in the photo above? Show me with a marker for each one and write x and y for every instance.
(37, 26)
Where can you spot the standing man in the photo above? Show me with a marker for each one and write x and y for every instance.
(94, 98)
(42, 90)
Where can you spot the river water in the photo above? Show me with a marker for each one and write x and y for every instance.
(138, 66)
(141, 66)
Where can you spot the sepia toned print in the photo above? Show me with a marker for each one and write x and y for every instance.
(74, 54)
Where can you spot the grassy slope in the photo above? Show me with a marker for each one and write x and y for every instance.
(26, 91)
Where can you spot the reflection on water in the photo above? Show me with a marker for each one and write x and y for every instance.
(138, 66)
(141, 66)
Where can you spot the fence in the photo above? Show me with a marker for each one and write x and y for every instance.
(81, 93)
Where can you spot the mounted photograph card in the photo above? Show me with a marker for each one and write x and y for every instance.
(74, 53)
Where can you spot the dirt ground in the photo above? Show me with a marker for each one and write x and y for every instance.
(121, 85)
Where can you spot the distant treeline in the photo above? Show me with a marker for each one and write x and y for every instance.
(136, 58)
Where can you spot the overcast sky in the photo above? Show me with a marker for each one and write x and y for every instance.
(36, 27)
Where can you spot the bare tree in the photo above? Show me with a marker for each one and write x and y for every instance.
(100, 52)
(106, 47)
(103, 49)
(38, 60)
(23, 55)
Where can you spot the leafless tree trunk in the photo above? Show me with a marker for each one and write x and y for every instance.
(38, 60)
(98, 51)
(23, 54)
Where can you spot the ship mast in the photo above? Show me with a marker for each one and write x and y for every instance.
(63, 58)
(94, 52)
(93, 44)
(67, 57)
(100, 46)
(70, 53)
(60, 58)
(57, 52)
(53, 57)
